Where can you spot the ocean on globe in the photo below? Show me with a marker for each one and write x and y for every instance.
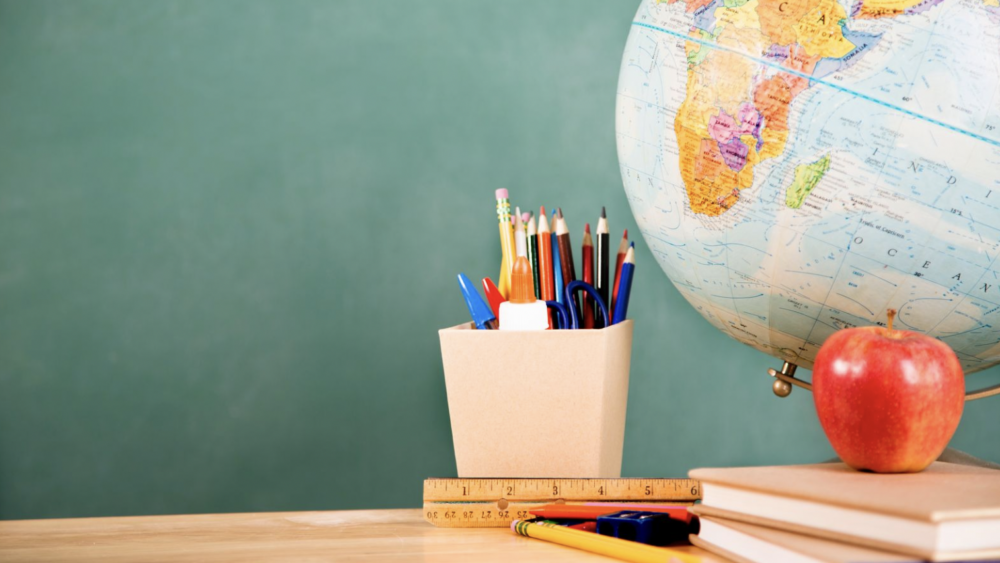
(801, 166)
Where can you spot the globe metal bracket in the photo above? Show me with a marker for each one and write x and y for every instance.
(785, 378)
(982, 393)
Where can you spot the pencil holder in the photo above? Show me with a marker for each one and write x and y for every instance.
(537, 403)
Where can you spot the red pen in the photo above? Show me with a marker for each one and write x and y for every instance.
(493, 296)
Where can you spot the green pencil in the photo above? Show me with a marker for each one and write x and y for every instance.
(533, 255)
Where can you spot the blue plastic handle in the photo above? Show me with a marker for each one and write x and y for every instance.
(562, 317)
(571, 289)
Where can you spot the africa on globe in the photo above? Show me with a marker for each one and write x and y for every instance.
(801, 166)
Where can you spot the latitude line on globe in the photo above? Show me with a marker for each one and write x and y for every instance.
(778, 67)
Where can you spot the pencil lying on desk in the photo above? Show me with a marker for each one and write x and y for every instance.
(605, 545)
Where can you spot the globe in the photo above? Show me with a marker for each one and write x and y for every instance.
(802, 166)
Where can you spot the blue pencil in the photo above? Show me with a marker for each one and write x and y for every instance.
(557, 270)
(625, 287)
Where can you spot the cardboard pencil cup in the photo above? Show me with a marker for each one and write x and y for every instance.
(537, 403)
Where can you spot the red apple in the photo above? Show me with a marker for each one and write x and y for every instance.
(889, 400)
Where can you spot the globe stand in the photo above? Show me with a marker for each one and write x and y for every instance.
(784, 379)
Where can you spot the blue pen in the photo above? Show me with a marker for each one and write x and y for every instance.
(480, 311)
(557, 270)
(625, 286)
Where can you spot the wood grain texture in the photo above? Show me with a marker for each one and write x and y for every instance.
(342, 536)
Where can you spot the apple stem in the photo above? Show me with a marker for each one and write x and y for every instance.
(891, 313)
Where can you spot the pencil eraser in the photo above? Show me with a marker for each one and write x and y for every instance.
(502, 193)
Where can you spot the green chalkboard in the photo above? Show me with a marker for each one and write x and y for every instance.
(229, 232)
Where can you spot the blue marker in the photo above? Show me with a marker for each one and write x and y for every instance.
(625, 285)
(480, 311)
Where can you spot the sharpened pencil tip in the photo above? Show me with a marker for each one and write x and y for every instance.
(604, 214)
(632, 244)
(559, 212)
(586, 228)
(625, 235)
(541, 211)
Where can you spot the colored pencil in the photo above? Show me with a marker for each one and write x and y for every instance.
(557, 269)
(533, 255)
(624, 550)
(520, 237)
(603, 284)
(506, 240)
(565, 252)
(622, 249)
(546, 279)
(621, 303)
(591, 511)
(588, 277)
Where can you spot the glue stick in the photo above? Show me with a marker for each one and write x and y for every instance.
(522, 311)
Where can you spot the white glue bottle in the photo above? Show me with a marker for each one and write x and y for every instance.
(522, 311)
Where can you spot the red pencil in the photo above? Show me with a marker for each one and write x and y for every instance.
(591, 511)
(584, 526)
(588, 277)
(622, 249)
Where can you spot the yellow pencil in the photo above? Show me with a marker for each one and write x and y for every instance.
(605, 545)
(506, 240)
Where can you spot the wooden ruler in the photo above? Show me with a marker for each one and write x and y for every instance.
(536, 490)
(495, 503)
(498, 514)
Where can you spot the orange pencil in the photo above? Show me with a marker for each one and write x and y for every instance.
(622, 249)
(588, 277)
(546, 278)
(590, 511)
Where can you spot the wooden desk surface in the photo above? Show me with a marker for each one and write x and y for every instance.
(343, 536)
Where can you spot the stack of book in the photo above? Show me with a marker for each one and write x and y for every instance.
(829, 512)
